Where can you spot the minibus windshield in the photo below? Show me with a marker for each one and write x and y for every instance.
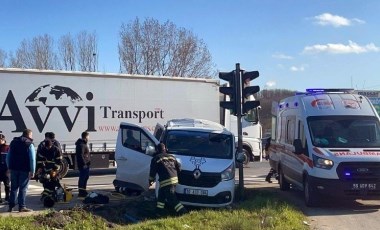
(199, 144)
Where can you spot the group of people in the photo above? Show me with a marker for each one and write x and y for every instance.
(19, 163)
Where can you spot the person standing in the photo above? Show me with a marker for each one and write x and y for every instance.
(21, 161)
(4, 177)
(167, 167)
(83, 162)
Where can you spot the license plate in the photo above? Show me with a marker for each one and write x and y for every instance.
(363, 186)
(197, 192)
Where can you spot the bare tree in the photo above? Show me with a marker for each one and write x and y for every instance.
(87, 51)
(22, 57)
(36, 54)
(3, 58)
(66, 49)
(42, 49)
(267, 97)
(152, 48)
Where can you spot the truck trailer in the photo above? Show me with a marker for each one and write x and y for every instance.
(68, 103)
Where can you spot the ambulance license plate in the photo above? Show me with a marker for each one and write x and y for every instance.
(363, 186)
(197, 192)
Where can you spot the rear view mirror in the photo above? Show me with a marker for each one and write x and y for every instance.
(150, 150)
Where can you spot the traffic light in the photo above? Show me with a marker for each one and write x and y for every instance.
(248, 90)
(230, 90)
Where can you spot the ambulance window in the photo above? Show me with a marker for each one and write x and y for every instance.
(274, 127)
(290, 129)
(301, 135)
(283, 129)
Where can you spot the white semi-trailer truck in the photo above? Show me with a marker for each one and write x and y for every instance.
(68, 103)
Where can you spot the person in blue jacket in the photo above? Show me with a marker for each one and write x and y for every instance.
(21, 161)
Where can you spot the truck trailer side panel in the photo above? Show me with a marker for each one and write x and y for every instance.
(68, 103)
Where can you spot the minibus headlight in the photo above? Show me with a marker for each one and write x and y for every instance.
(322, 163)
(229, 173)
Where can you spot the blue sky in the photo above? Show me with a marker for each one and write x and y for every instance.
(293, 44)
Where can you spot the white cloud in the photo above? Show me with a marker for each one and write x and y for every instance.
(281, 56)
(358, 21)
(270, 84)
(328, 19)
(338, 48)
(297, 69)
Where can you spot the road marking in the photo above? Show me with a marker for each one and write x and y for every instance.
(35, 188)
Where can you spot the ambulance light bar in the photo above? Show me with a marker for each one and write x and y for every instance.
(320, 90)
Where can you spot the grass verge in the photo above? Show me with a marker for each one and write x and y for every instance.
(260, 210)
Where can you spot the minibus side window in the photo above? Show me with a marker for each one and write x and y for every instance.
(136, 140)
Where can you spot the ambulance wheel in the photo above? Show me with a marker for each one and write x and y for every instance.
(284, 185)
(310, 196)
(63, 168)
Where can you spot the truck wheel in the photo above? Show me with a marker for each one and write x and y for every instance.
(284, 185)
(63, 168)
(247, 156)
(310, 196)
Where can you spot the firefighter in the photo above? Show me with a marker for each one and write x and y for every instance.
(48, 160)
(49, 136)
(4, 175)
(167, 167)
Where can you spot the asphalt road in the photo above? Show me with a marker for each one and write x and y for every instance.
(333, 214)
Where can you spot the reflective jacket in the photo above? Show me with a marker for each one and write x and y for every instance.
(167, 167)
(49, 159)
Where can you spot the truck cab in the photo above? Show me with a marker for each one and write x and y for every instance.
(205, 150)
(326, 142)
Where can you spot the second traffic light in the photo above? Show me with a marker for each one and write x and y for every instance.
(248, 90)
(231, 91)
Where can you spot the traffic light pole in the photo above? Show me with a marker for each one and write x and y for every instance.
(239, 129)
(238, 92)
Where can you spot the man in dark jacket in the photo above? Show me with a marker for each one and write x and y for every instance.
(167, 167)
(49, 136)
(4, 177)
(83, 161)
(49, 159)
(21, 161)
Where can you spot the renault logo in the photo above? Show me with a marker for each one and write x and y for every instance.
(197, 173)
(362, 170)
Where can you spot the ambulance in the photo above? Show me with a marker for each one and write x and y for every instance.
(326, 142)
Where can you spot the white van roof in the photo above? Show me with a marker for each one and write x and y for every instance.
(196, 124)
(329, 102)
